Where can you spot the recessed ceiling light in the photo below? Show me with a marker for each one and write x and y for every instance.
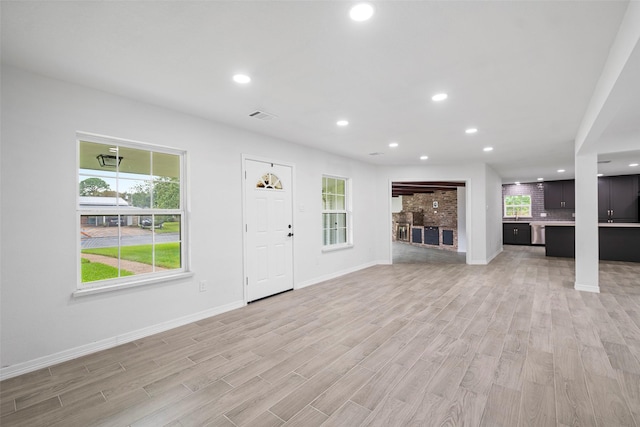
(560, 170)
(424, 157)
(342, 122)
(393, 144)
(471, 130)
(241, 78)
(600, 174)
(540, 179)
(517, 183)
(487, 149)
(361, 12)
(633, 165)
(439, 97)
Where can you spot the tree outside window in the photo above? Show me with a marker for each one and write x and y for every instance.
(517, 206)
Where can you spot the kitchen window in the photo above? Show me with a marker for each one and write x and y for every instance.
(517, 206)
(131, 213)
(336, 214)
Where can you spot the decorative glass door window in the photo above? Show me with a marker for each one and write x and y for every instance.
(269, 181)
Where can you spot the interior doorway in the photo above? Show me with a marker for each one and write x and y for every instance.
(428, 222)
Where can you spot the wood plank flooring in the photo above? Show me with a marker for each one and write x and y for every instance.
(508, 344)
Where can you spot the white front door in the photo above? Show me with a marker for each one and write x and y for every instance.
(268, 229)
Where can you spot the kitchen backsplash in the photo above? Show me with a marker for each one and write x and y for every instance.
(536, 191)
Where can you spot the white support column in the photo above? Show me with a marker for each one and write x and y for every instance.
(587, 256)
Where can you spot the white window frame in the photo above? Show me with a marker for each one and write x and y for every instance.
(504, 204)
(347, 210)
(126, 282)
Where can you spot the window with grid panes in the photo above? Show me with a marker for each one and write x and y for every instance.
(335, 211)
(131, 211)
(517, 206)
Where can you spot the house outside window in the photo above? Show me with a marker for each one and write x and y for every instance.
(517, 206)
(336, 214)
(131, 212)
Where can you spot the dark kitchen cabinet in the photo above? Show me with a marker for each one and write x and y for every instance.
(432, 235)
(416, 235)
(618, 198)
(619, 243)
(447, 237)
(560, 241)
(616, 243)
(516, 234)
(560, 194)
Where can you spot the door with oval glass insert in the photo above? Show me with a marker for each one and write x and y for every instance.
(268, 229)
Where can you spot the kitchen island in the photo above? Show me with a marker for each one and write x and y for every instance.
(617, 241)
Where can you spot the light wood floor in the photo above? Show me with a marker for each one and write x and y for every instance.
(508, 344)
(406, 253)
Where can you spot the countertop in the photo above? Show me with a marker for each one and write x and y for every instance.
(528, 221)
(601, 224)
(572, 223)
(559, 223)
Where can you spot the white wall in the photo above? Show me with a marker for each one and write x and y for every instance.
(493, 200)
(41, 321)
(462, 219)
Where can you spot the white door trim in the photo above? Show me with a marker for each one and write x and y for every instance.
(245, 273)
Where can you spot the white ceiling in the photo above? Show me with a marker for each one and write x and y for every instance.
(521, 72)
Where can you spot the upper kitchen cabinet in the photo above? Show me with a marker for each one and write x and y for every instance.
(560, 194)
(618, 198)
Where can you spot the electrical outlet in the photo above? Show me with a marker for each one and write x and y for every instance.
(203, 285)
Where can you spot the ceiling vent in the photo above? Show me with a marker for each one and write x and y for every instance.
(262, 115)
(600, 162)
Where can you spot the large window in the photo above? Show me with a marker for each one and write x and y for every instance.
(335, 212)
(131, 209)
(517, 206)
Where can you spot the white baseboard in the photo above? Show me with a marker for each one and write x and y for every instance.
(83, 350)
(498, 252)
(335, 274)
(586, 288)
(485, 261)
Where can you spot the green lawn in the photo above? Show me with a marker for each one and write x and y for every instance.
(167, 254)
(169, 227)
(92, 271)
